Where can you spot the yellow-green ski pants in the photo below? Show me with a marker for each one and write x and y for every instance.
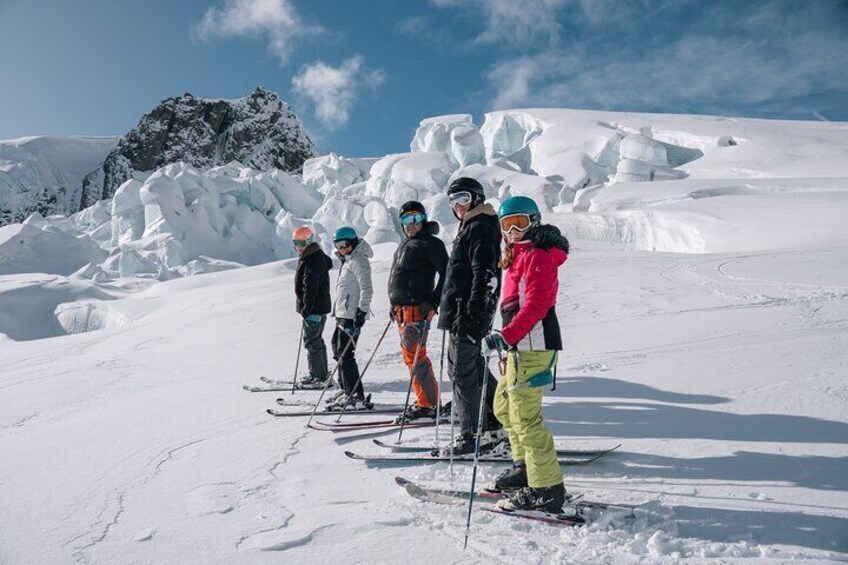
(520, 412)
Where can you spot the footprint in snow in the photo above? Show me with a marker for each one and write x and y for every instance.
(145, 535)
(279, 540)
(209, 499)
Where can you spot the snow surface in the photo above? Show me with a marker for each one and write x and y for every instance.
(46, 172)
(705, 320)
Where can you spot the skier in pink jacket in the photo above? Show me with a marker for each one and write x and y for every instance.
(531, 338)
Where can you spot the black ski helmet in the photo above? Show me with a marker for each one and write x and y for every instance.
(468, 184)
(412, 206)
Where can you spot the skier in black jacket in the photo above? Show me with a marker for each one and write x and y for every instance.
(414, 295)
(469, 302)
(312, 288)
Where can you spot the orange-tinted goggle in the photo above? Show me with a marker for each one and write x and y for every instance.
(517, 222)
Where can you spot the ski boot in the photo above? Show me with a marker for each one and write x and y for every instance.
(312, 383)
(462, 445)
(495, 443)
(350, 403)
(416, 412)
(334, 398)
(543, 499)
(361, 403)
(512, 479)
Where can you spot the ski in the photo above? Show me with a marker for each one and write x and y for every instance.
(450, 496)
(373, 424)
(284, 388)
(427, 458)
(409, 448)
(281, 414)
(276, 382)
(249, 388)
(394, 408)
(546, 517)
(272, 385)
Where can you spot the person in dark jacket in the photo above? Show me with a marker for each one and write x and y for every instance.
(469, 302)
(312, 289)
(414, 296)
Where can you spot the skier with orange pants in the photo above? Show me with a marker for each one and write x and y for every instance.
(414, 296)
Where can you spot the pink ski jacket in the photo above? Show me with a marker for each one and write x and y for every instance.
(530, 291)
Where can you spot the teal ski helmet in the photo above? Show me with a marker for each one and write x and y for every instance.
(345, 233)
(519, 205)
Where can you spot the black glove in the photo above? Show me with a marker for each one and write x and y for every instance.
(359, 320)
(475, 330)
(428, 310)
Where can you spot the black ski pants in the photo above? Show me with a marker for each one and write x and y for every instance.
(316, 349)
(345, 337)
(467, 369)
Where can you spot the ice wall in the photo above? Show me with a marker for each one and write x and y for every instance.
(178, 221)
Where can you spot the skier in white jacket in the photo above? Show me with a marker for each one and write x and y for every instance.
(351, 307)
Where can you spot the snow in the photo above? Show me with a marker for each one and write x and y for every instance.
(44, 173)
(705, 319)
(177, 221)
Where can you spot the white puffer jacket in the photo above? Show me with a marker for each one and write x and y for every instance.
(353, 288)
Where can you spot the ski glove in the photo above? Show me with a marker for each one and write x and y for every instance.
(313, 318)
(359, 320)
(493, 342)
(428, 310)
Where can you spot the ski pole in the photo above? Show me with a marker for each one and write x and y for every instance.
(439, 393)
(330, 378)
(362, 373)
(297, 363)
(421, 338)
(480, 417)
(452, 420)
(556, 364)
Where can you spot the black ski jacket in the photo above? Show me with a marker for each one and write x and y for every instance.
(473, 284)
(312, 281)
(415, 265)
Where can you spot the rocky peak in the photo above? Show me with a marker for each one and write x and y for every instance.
(258, 130)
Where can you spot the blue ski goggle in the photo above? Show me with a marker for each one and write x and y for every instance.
(412, 218)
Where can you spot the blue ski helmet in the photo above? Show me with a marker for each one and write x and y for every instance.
(519, 205)
(345, 233)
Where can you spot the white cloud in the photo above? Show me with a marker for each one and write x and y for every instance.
(275, 20)
(509, 23)
(333, 90)
(756, 62)
(414, 25)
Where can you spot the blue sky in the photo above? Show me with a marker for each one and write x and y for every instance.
(361, 74)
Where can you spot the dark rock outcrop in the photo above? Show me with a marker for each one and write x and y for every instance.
(259, 131)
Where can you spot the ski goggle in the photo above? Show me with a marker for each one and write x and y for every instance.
(460, 198)
(517, 222)
(301, 242)
(412, 218)
(342, 244)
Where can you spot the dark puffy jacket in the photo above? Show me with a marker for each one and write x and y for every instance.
(473, 284)
(414, 267)
(312, 281)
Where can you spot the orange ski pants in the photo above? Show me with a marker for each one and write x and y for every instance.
(413, 327)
